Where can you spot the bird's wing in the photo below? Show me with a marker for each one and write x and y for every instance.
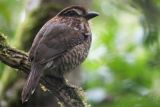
(36, 40)
(52, 42)
(56, 40)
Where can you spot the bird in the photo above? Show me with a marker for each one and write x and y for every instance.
(60, 46)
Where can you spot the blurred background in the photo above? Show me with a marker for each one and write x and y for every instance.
(123, 66)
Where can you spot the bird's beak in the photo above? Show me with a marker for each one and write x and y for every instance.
(91, 15)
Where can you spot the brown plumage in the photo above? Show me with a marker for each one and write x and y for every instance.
(60, 46)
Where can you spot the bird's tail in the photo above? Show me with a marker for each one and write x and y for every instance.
(32, 82)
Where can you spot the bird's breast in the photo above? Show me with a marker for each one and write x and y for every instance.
(73, 57)
(69, 60)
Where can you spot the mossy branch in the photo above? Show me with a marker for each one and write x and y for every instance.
(67, 95)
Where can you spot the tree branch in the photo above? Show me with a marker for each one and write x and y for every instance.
(68, 95)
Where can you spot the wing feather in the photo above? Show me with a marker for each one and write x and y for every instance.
(56, 40)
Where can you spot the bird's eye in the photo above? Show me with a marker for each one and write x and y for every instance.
(71, 13)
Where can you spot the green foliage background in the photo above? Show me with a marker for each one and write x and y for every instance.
(123, 67)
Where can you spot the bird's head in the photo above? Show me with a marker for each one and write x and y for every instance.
(78, 12)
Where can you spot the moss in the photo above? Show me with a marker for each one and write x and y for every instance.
(83, 97)
(2, 39)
